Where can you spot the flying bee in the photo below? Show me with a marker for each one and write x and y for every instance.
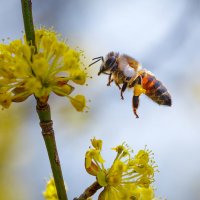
(125, 72)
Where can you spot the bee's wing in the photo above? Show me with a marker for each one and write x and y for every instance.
(128, 65)
(132, 62)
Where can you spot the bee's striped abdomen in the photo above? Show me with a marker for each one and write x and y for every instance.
(155, 90)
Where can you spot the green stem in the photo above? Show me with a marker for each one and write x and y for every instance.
(46, 124)
(28, 21)
(43, 109)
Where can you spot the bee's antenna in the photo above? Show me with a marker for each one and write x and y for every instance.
(94, 62)
(98, 59)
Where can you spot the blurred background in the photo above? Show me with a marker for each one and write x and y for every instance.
(165, 37)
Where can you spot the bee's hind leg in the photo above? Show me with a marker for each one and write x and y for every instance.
(110, 80)
(138, 90)
(135, 104)
(124, 86)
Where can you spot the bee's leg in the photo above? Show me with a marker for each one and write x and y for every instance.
(135, 104)
(138, 90)
(110, 80)
(117, 84)
(124, 86)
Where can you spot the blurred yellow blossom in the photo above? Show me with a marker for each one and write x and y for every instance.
(10, 130)
(50, 193)
(129, 177)
(51, 66)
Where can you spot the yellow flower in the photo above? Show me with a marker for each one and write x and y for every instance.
(93, 158)
(51, 66)
(144, 193)
(50, 193)
(97, 144)
(129, 177)
(78, 102)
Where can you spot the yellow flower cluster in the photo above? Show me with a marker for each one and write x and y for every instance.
(128, 178)
(50, 66)
(50, 193)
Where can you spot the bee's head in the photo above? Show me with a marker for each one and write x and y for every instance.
(109, 64)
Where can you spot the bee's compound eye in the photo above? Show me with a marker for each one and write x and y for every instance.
(110, 61)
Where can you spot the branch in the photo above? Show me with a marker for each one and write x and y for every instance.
(28, 21)
(43, 109)
(46, 124)
(91, 190)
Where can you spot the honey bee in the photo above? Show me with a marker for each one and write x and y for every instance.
(125, 72)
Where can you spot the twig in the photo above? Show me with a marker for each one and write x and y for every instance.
(46, 124)
(28, 21)
(91, 190)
